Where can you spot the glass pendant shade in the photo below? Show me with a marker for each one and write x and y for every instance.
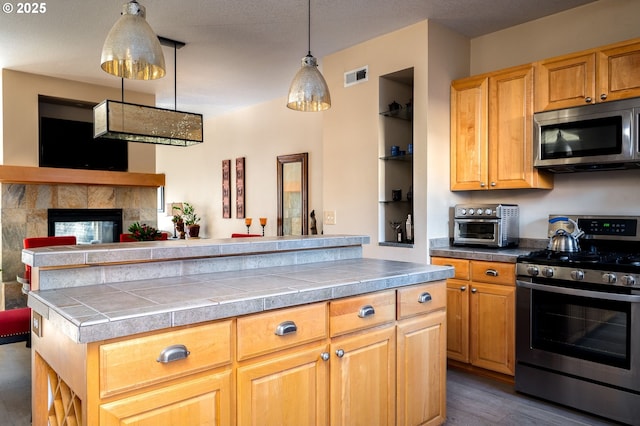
(309, 91)
(139, 123)
(132, 50)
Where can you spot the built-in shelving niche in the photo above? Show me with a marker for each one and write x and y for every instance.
(395, 168)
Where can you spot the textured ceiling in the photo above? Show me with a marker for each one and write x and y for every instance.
(238, 52)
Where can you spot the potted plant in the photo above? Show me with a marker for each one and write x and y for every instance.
(191, 220)
(178, 223)
(143, 232)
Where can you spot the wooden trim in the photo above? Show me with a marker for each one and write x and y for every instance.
(50, 175)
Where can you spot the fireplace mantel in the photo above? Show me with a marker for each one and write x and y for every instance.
(50, 175)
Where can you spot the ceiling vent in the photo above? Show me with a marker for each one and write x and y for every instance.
(359, 75)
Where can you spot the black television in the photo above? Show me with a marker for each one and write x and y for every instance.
(70, 144)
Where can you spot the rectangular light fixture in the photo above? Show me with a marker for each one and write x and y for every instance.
(139, 123)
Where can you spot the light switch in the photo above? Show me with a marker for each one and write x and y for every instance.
(329, 217)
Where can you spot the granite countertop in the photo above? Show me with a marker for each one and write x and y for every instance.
(103, 311)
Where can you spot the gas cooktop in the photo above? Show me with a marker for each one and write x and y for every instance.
(610, 254)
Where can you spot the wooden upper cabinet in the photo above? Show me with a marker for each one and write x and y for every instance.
(618, 76)
(597, 75)
(565, 82)
(492, 132)
(469, 149)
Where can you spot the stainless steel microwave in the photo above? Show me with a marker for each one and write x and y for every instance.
(592, 137)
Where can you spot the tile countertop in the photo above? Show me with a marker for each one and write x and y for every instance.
(507, 255)
(103, 311)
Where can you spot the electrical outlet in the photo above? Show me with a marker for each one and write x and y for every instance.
(329, 217)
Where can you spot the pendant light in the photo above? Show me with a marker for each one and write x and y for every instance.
(145, 124)
(309, 90)
(131, 49)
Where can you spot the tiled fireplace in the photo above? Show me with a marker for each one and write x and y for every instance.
(25, 210)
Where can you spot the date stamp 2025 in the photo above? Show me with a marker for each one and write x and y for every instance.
(20, 8)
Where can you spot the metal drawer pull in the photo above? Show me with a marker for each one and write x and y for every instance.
(366, 311)
(424, 298)
(324, 356)
(340, 353)
(173, 353)
(286, 327)
(491, 272)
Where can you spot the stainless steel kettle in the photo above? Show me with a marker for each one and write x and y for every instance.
(563, 240)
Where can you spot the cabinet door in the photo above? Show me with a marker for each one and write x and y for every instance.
(422, 367)
(618, 76)
(286, 390)
(458, 320)
(510, 134)
(203, 401)
(492, 327)
(363, 378)
(469, 155)
(566, 81)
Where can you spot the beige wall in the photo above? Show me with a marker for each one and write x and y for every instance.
(592, 25)
(260, 134)
(20, 116)
(351, 133)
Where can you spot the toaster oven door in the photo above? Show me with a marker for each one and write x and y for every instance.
(485, 232)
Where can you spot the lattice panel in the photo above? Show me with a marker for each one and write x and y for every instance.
(66, 408)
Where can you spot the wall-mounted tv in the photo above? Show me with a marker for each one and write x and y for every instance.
(70, 144)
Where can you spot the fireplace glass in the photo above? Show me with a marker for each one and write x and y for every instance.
(89, 226)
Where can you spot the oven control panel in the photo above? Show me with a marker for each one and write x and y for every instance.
(611, 226)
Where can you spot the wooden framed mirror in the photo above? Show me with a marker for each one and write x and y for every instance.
(293, 199)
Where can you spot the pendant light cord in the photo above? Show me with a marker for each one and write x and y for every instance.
(309, 29)
(175, 76)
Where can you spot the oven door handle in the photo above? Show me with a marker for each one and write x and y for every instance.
(581, 293)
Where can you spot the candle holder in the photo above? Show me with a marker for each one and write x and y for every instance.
(247, 222)
(263, 223)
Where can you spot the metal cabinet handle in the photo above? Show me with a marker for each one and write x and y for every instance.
(588, 99)
(463, 288)
(424, 298)
(340, 353)
(324, 356)
(366, 311)
(173, 353)
(493, 184)
(286, 327)
(603, 96)
(482, 184)
(474, 290)
(491, 272)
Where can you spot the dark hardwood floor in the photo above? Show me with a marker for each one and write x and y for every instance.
(471, 400)
(479, 401)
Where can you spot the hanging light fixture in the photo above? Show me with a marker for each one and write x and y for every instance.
(309, 90)
(140, 123)
(131, 49)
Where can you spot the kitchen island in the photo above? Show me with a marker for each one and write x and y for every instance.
(275, 330)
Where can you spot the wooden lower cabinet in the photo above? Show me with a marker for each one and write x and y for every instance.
(363, 378)
(481, 314)
(374, 359)
(285, 390)
(202, 401)
(421, 370)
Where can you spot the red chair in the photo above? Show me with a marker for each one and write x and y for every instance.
(15, 324)
(128, 238)
(245, 235)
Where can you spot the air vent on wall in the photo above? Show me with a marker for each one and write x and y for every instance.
(359, 75)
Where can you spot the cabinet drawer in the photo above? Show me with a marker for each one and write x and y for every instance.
(133, 363)
(461, 266)
(421, 299)
(493, 272)
(356, 313)
(271, 331)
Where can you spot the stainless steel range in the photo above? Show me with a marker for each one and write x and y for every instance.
(576, 318)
